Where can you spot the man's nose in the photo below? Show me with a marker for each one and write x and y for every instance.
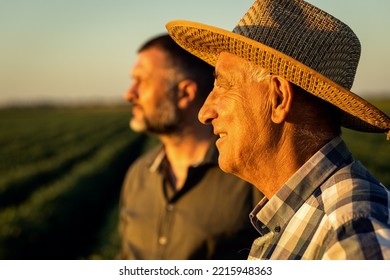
(207, 113)
(131, 93)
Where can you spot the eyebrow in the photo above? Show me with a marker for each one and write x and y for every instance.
(221, 76)
(224, 77)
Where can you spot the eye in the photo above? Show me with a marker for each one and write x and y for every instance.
(223, 84)
(136, 79)
(140, 82)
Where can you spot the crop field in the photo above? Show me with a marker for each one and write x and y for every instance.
(60, 176)
(61, 172)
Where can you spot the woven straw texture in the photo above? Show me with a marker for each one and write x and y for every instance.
(297, 41)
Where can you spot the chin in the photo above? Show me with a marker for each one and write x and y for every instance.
(137, 126)
(223, 165)
(229, 167)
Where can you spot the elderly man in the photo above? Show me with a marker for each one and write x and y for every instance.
(281, 94)
(176, 203)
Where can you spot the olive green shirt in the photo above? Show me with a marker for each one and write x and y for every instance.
(207, 219)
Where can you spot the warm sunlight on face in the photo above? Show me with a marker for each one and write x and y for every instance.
(236, 109)
(152, 93)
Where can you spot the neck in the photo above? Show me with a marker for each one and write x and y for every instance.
(279, 163)
(184, 149)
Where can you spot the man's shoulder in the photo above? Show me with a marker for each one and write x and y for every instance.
(352, 192)
(147, 158)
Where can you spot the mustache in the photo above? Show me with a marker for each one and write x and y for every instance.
(136, 105)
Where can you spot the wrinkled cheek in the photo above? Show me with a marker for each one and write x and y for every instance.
(247, 149)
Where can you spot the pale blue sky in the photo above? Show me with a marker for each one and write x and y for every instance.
(82, 50)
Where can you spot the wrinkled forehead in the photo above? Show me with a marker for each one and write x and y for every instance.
(233, 66)
(228, 58)
(227, 62)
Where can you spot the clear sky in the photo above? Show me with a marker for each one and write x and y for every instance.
(82, 50)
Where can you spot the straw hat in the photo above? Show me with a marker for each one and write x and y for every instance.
(297, 41)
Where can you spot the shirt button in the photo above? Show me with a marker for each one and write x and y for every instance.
(170, 207)
(162, 240)
(277, 229)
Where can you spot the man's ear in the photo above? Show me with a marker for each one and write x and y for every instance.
(187, 90)
(282, 94)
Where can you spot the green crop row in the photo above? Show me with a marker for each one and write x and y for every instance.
(55, 220)
(61, 175)
(20, 181)
(49, 133)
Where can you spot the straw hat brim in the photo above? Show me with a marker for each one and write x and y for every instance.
(207, 42)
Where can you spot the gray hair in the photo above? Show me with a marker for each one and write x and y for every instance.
(257, 73)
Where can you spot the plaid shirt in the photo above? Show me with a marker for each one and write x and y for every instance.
(331, 208)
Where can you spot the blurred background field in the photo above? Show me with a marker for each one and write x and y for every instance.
(61, 174)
